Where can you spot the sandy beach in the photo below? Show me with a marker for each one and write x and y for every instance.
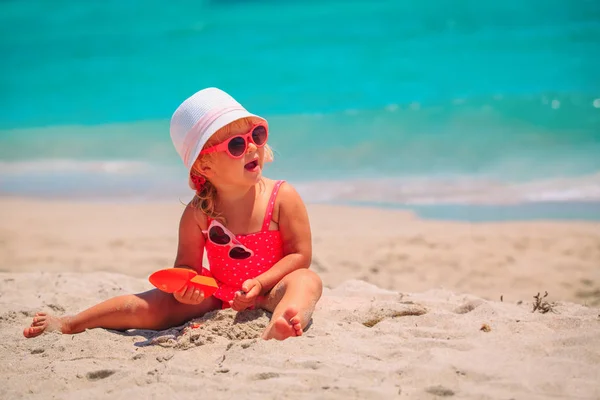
(411, 309)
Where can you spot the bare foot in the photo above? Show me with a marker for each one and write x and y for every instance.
(285, 326)
(43, 322)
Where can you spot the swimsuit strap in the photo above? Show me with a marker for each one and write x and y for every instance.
(271, 206)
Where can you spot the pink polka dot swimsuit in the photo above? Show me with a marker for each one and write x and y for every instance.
(230, 274)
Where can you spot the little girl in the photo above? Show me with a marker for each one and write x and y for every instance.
(255, 231)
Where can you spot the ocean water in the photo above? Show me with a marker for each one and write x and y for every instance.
(435, 105)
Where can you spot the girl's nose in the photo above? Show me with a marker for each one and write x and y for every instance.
(251, 148)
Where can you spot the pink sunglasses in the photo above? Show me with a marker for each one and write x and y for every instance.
(236, 146)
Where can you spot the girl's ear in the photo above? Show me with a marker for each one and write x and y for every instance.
(206, 169)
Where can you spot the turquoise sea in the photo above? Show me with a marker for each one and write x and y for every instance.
(472, 109)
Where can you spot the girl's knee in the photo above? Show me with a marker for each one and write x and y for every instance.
(154, 307)
(309, 280)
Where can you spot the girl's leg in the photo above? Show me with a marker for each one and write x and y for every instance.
(292, 302)
(149, 310)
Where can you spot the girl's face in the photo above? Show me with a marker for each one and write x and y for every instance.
(222, 169)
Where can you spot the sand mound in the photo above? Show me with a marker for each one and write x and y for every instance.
(365, 342)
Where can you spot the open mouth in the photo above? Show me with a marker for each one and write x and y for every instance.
(251, 166)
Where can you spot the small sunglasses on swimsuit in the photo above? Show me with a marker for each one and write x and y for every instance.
(236, 146)
(220, 236)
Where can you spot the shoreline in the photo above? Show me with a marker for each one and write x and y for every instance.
(570, 211)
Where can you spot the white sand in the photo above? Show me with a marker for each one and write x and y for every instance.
(416, 334)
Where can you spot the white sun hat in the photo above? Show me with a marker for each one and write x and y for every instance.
(199, 117)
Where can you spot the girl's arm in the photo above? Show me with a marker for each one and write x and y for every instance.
(295, 233)
(190, 248)
(189, 253)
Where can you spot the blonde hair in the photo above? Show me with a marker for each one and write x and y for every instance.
(205, 198)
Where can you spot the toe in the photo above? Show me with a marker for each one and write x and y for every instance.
(32, 331)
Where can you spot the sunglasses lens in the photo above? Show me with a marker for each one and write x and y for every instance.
(237, 146)
(217, 235)
(238, 253)
(259, 135)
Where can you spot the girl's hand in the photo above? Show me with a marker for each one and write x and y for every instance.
(189, 295)
(247, 297)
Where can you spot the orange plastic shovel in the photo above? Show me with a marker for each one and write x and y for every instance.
(206, 284)
(172, 280)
